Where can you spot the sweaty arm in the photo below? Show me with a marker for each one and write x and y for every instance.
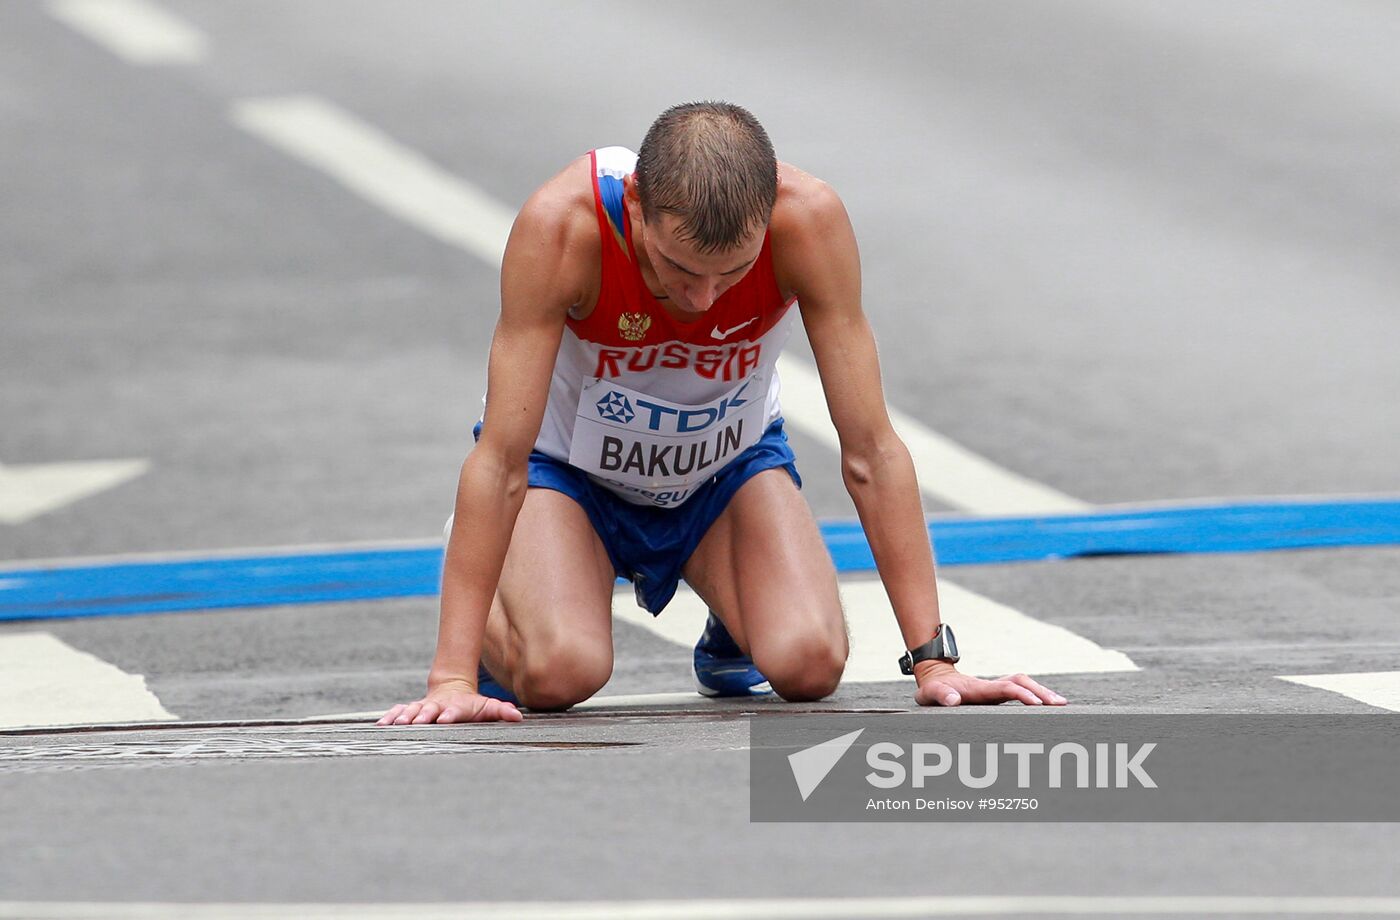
(543, 274)
(820, 263)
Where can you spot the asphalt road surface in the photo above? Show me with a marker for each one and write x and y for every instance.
(1130, 252)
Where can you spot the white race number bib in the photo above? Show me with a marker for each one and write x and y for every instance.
(661, 448)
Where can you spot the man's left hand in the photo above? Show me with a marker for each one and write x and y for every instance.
(940, 684)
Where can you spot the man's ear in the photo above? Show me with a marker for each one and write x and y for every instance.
(632, 199)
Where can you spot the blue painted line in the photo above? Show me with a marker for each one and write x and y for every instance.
(371, 574)
(1239, 527)
(200, 584)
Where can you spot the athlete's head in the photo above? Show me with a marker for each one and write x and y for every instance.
(705, 184)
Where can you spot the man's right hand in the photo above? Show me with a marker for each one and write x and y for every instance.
(451, 702)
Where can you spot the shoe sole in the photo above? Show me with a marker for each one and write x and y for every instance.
(762, 689)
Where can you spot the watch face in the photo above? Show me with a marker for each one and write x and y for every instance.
(942, 647)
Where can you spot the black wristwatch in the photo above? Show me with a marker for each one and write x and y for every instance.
(942, 647)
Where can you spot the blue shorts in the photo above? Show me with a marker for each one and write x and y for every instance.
(648, 545)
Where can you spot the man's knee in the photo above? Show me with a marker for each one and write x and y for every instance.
(561, 675)
(803, 666)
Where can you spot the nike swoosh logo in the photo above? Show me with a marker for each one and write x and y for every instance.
(715, 333)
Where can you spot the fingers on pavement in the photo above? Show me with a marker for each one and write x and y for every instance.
(1042, 692)
(937, 694)
(389, 717)
(504, 712)
(428, 713)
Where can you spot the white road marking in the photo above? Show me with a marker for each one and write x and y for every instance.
(45, 682)
(1374, 688)
(29, 490)
(382, 171)
(947, 471)
(997, 639)
(925, 905)
(617, 701)
(405, 184)
(136, 30)
(445, 206)
(631, 700)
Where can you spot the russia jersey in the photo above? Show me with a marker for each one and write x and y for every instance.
(649, 407)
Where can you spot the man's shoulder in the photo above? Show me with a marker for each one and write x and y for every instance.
(806, 207)
(565, 201)
(810, 231)
(558, 224)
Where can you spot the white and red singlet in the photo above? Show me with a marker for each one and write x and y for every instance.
(649, 407)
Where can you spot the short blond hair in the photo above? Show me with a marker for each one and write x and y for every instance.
(711, 165)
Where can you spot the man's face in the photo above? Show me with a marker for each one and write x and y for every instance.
(693, 280)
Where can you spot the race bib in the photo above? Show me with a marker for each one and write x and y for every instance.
(659, 448)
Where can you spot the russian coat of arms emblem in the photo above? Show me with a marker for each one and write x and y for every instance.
(633, 326)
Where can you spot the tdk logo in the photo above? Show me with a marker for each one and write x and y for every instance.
(616, 408)
(678, 420)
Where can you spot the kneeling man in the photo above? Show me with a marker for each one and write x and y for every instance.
(633, 427)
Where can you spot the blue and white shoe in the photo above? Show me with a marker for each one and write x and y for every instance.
(722, 668)
(487, 685)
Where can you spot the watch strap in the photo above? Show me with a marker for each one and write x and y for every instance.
(942, 647)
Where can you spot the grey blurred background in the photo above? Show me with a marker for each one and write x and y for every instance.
(1134, 251)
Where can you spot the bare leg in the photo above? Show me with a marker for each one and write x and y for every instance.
(549, 635)
(765, 572)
